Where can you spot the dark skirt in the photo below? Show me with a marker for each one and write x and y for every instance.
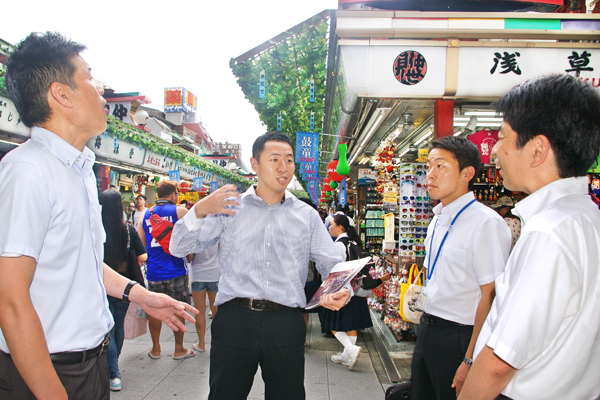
(354, 316)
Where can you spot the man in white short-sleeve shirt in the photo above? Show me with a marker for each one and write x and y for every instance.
(467, 247)
(54, 315)
(541, 338)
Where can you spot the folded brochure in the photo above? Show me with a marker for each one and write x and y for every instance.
(339, 277)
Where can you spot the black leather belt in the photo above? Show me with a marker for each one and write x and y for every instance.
(258, 304)
(77, 357)
(433, 320)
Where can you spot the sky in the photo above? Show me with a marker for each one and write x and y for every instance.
(145, 46)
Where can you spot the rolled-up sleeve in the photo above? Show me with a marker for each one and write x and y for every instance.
(192, 234)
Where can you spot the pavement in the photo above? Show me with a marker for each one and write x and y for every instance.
(144, 378)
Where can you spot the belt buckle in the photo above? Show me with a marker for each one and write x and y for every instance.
(251, 306)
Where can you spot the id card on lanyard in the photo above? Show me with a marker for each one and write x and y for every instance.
(430, 268)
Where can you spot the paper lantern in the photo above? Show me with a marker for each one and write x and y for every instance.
(332, 171)
(327, 187)
(184, 187)
(343, 168)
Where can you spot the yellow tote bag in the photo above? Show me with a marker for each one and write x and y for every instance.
(413, 274)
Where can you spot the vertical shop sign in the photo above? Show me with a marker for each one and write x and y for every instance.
(214, 185)
(388, 223)
(312, 90)
(175, 175)
(342, 193)
(279, 121)
(261, 88)
(197, 183)
(312, 121)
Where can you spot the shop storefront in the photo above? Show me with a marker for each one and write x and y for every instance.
(402, 79)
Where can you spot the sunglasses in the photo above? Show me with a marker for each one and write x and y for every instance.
(420, 253)
(419, 198)
(404, 247)
(404, 235)
(418, 166)
(408, 197)
(407, 254)
(411, 241)
(408, 209)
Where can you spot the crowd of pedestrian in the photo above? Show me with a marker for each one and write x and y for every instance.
(497, 324)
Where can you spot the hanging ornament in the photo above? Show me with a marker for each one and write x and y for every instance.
(312, 121)
(333, 184)
(332, 171)
(328, 193)
(105, 134)
(343, 168)
(327, 187)
(312, 90)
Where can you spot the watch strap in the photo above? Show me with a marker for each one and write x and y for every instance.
(468, 361)
(131, 284)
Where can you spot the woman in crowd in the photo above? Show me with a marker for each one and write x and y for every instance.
(205, 279)
(120, 239)
(503, 207)
(346, 322)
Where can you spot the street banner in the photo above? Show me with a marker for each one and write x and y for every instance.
(175, 175)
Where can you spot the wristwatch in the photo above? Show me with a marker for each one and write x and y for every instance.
(468, 361)
(131, 284)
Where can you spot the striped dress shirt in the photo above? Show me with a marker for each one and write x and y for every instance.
(264, 251)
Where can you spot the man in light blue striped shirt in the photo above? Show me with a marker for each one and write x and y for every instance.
(267, 238)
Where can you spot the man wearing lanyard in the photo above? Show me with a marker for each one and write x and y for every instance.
(467, 247)
(265, 251)
(540, 339)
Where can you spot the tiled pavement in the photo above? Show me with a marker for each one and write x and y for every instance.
(144, 378)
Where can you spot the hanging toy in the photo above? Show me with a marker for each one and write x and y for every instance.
(343, 168)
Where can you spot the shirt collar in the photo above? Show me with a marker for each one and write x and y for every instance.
(251, 191)
(62, 150)
(446, 213)
(541, 198)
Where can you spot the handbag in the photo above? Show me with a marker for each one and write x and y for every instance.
(413, 275)
(412, 312)
(134, 271)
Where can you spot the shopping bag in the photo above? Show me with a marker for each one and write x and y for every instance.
(412, 312)
(413, 276)
(133, 325)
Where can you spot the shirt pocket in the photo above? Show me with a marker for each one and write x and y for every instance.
(454, 264)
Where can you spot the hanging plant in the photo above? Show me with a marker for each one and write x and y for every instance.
(289, 65)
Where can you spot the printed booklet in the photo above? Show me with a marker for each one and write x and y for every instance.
(339, 276)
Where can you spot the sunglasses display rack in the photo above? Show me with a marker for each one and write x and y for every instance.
(414, 209)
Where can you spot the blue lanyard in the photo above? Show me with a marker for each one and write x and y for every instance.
(429, 267)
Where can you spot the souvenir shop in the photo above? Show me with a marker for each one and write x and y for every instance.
(394, 95)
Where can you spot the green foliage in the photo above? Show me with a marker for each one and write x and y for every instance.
(132, 134)
(289, 67)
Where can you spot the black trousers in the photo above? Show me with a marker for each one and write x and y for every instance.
(243, 339)
(438, 353)
(83, 381)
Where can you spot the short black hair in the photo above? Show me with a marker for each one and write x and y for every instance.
(463, 151)
(563, 108)
(142, 196)
(259, 143)
(37, 62)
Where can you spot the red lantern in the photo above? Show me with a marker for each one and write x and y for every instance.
(390, 168)
(332, 171)
(327, 188)
(184, 187)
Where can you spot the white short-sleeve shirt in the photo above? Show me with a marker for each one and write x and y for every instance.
(474, 254)
(50, 212)
(545, 320)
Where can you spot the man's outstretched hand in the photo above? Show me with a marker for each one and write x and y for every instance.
(163, 307)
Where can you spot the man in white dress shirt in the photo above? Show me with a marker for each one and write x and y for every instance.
(467, 247)
(54, 315)
(541, 338)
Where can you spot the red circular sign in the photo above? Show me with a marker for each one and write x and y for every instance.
(410, 67)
